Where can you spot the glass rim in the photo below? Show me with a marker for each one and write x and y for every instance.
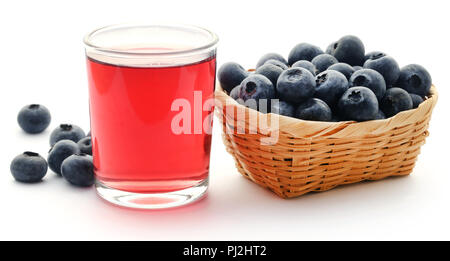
(211, 44)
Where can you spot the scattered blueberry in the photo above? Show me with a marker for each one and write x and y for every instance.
(307, 65)
(349, 49)
(343, 68)
(323, 61)
(271, 71)
(283, 108)
(271, 56)
(59, 152)
(303, 51)
(386, 66)
(295, 85)
(314, 110)
(358, 104)
(394, 101)
(66, 132)
(416, 100)
(85, 145)
(256, 88)
(230, 75)
(34, 118)
(330, 85)
(277, 63)
(371, 79)
(414, 79)
(78, 170)
(28, 167)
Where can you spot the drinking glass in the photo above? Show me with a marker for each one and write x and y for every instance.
(150, 92)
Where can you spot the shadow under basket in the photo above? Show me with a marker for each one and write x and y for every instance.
(317, 156)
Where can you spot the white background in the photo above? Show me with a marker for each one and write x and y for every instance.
(42, 61)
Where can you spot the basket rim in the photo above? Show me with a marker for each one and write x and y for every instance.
(290, 125)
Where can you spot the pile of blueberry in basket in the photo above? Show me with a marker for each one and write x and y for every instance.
(344, 83)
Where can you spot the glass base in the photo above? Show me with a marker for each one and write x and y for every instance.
(152, 200)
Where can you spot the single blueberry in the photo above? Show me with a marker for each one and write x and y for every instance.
(66, 132)
(380, 115)
(386, 66)
(323, 61)
(59, 152)
(349, 49)
(271, 71)
(307, 65)
(78, 170)
(330, 85)
(374, 55)
(414, 79)
(314, 110)
(277, 63)
(371, 79)
(85, 145)
(230, 75)
(34, 118)
(343, 68)
(255, 89)
(28, 167)
(358, 104)
(303, 51)
(283, 108)
(271, 56)
(296, 85)
(394, 101)
(416, 100)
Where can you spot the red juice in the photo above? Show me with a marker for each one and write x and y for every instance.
(134, 147)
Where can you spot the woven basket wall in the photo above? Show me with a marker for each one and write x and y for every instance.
(318, 156)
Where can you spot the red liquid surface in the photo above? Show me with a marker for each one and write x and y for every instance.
(134, 147)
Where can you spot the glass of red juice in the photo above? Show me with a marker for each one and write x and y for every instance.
(151, 108)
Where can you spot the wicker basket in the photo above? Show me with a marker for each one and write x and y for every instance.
(318, 156)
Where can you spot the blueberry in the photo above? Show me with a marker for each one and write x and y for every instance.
(330, 48)
(386, 66)
(358, 104)
(330, 85)
(34, 118)
(394, 101)
(414, 79)
(59, 152)
(296, 85)
(380, 115)
(349, 49)
(343, 68)
(271, 71)
(85, 145)
(303, 51)
(307, 65)
(371, 79)
(335, 118)
(416, 100)
(283, 108)
(78, 170)
(314, 110)
(235, 92)
(88, 134)
(257, 87)
(66, 132)
(271, 56)
(28, 167)
(374, 54)
(357, 68)
(230, 75)
(277, 63)
(323, 61)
